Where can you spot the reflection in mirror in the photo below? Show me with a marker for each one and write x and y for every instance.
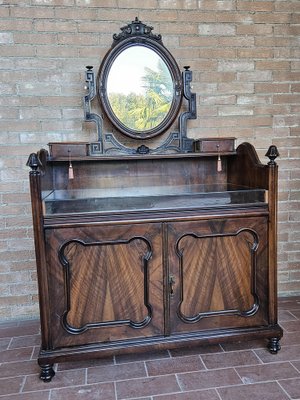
(140, 92)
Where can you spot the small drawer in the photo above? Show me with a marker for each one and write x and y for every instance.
(214, 145)
(68, 149)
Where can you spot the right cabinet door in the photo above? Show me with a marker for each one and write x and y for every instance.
(218, 274)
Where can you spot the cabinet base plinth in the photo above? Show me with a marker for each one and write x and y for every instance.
(46, 359)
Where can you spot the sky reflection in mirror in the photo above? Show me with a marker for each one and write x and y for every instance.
(140, 88)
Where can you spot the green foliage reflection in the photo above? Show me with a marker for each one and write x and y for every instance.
(144, 111)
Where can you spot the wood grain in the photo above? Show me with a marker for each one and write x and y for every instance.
(98, 293)
(220, 269)
(217, 273)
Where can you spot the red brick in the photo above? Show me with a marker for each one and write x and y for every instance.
(197, 17)
(32, 12)
(198, 41)
(231, 45)
(284, 65)
(217, 77)
(272, 18)
(55, 26)
(255, 53)
(286, 98)
(287, 6)
(287, 30)
(155, 15)
(217, 29)
(4, 12)
(35, 38)
(215, 5)
(77, 39)
(18, 25)
(255, 29)
(237, 41)
(178, 4)
(272, 87)
(93, 27)
(178, 29)
(255, 5)
(269, 41)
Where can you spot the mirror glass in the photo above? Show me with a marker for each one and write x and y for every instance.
(140, 88)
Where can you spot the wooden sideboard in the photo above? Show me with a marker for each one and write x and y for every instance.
(145, 251)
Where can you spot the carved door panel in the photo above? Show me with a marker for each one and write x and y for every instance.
(218, 274)
(105, 283)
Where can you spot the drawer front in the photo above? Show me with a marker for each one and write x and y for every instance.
(70, 150)
(215, 145)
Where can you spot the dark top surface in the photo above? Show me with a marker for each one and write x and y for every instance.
(145, 198)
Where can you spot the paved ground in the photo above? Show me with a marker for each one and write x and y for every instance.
(238, 371)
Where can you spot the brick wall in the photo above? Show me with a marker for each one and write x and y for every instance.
(245, 59)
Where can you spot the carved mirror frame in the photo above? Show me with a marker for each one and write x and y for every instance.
(134, 35)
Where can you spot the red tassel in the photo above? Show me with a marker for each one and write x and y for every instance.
(219, 164)
(71, 172)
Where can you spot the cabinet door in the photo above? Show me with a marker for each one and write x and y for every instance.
(105, 283)
(218, 274)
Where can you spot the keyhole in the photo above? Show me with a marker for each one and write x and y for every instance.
(171, 283)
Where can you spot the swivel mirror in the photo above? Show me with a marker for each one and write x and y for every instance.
(140, 86)
(143, 99)
(140, 90)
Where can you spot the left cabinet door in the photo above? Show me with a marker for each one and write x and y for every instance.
(105, 283)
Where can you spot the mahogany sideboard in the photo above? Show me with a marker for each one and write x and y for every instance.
(145, 242)
(137, 252)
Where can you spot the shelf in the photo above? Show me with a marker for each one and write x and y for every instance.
(138, 157)
(155, 198)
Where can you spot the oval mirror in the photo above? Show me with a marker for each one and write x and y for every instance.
(140, 88)
(140, 93)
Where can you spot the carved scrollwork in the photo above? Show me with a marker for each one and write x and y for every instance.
(146, 103)
(134, 29)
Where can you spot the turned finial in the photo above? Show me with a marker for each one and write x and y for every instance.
(272, 154)
(33, 162)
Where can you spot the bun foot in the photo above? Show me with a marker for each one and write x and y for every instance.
(47, 372)
(274, 345)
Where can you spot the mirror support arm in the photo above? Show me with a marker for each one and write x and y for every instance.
(186, 144)
(139, 34)
(88, 116)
